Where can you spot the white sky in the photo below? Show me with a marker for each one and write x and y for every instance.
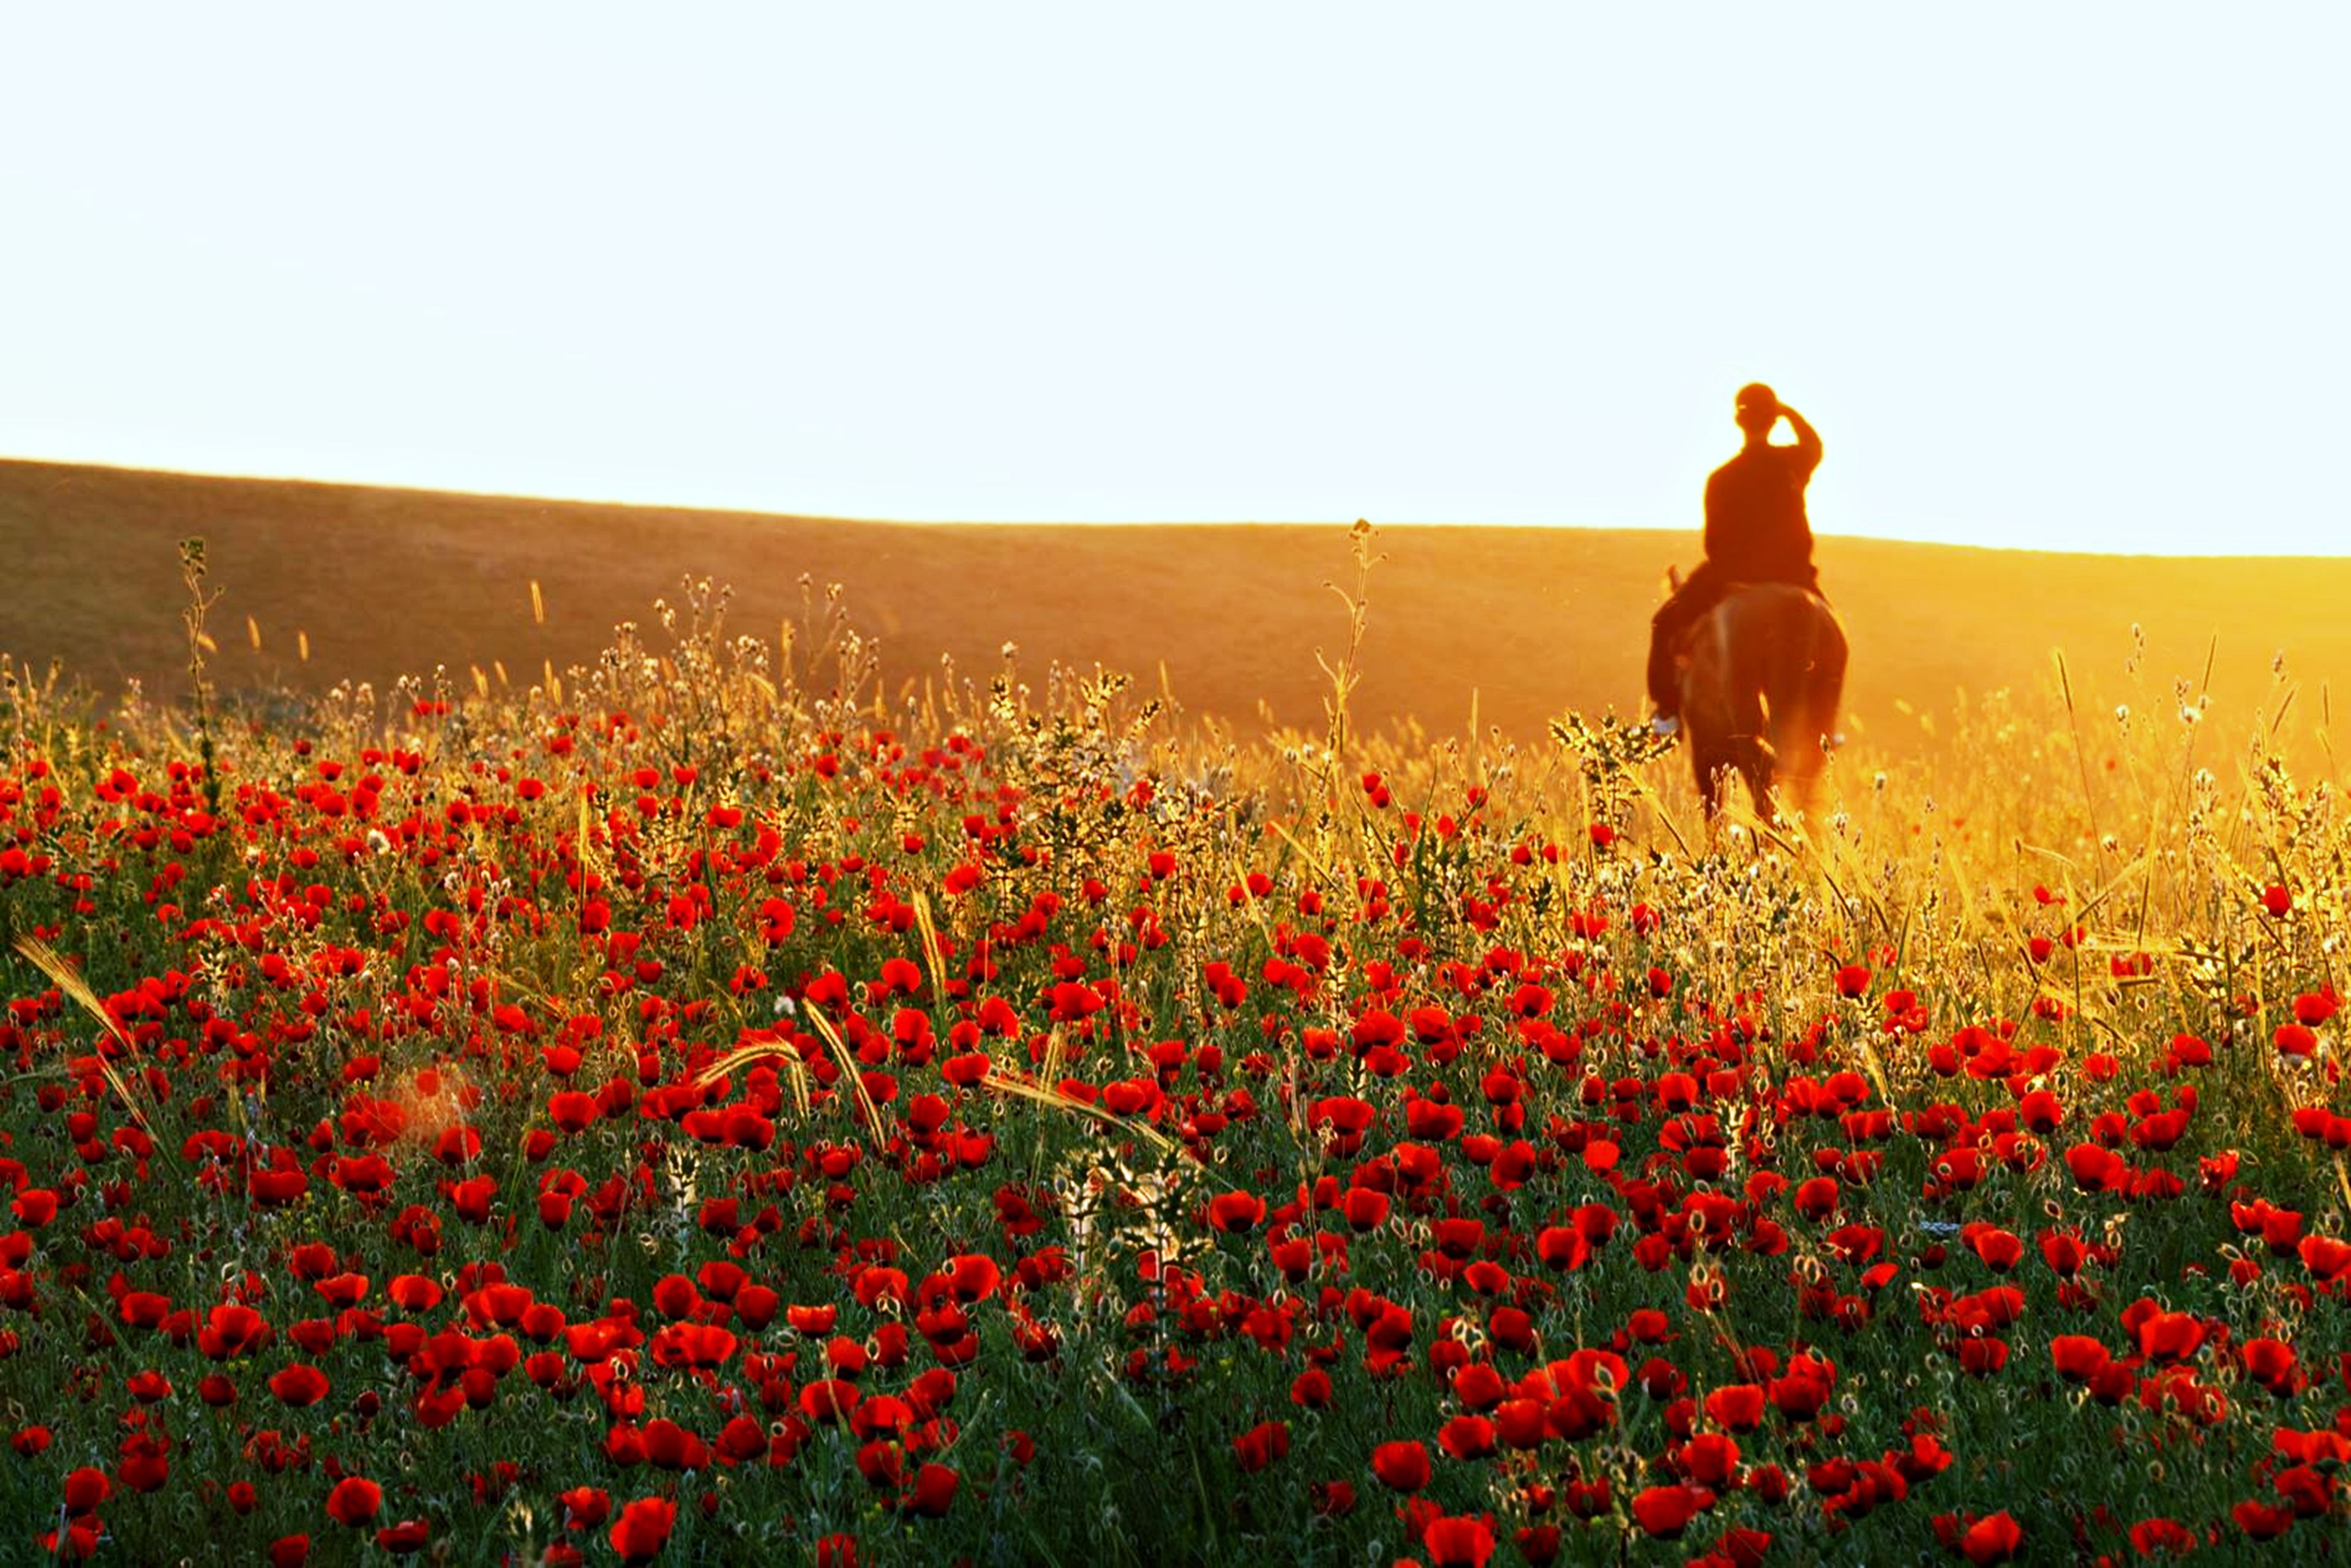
(2066, 274)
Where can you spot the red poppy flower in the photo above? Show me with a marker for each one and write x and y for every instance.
(973, 1276)
(1666, 1510)
(354, 1502)
(642, 1528)
(829, 1399)
(1999, 1250)
(2150, 1536)
(1563, 1247)
(409, 1535)
(1736, 1407)
(2261, 1520)
(2078, 1358)
(2271, 1364)
(1261, 1445)
(935, 1491)
(1235, 1211)
(1454, 1541)
(84, 1488)
(1467, 1438)
(1402, 1466)
(231, 1330)
(1366, 1209)
(414, 1292)
(2325, 1257)
(300, 1385)
(1993, 1539)
(2170, 1336)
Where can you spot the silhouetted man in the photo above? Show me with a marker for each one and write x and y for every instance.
(1756, 531)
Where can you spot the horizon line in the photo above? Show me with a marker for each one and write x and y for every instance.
(713, 509)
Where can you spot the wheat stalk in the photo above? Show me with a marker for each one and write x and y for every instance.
(52, 963)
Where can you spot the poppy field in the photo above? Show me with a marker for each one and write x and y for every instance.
(703, 1109)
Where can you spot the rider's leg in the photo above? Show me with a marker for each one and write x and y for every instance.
(1698, 594)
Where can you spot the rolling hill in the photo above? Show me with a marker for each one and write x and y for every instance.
(1531, 620)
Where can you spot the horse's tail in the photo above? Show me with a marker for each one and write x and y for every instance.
(1804, 684)
(1725, 703)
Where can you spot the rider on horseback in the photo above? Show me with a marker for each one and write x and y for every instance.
(1756, 531)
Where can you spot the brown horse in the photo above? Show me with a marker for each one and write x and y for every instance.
(1761, 673)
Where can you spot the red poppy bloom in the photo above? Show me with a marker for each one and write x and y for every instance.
(1993, 1539)
(1666, 1510)
(2150, 1536)
(1999, 1250)
(409, 1535)
(1563, 1247)
(1736, 1407)
(300, 1385)
(2078, 1358)
(1454, 1541)
(354, 1502)
(935, 1490)
(231, 1330)
(2261, 1520)
(1364, 1208)
(830, 1399)
(84, 1488)
(642, 1528)
(1401, 1465)
(1467, 1438)
(973, 1276)
(1235, 1211)
(1261, 1445)
(2170, 1336)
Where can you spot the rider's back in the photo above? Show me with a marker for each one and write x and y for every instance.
(1756, 528)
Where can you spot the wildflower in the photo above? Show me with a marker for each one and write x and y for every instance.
(354, 1502)
(1261, 1445)
(644, 1528)
(1453, 1542)
(298, 1385)
(1402, 1466)
(1993, 1539)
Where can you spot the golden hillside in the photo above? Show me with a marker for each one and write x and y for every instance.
(1534, 620)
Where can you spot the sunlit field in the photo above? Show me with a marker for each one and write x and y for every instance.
(708, 1107)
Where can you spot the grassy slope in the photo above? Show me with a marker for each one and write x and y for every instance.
(1535, 620)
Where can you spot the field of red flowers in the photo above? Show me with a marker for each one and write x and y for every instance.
(692, 1112)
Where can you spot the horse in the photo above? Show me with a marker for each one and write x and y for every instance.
(1762, 674)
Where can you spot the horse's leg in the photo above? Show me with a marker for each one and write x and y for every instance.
(1750, 749)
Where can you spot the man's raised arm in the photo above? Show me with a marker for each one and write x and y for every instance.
(1808, 440)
